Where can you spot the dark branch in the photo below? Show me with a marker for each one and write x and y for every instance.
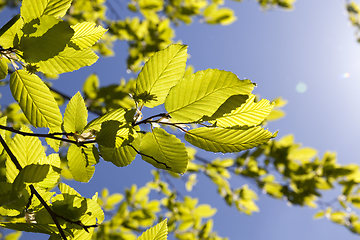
(149, 119)
(49, 135)
(158, 162)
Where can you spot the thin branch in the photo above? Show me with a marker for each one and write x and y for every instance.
(60, 93)
(48, 135)
(138, 152)
(50, 211)
(113, 11)
(168, 180)
(11, 155)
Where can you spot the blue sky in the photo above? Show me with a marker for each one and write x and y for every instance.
(313, 46)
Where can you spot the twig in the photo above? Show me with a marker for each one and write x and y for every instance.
(138, 152)
(49, 135)
(147, 120)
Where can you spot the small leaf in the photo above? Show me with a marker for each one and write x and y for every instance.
(75, 116)
(80, 166)
(227, 140)
(248, 114)
(162, 71)
(157, 232)
(87, 34)
(199, 95)
(164, 151)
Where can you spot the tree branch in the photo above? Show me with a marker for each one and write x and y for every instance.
(49, 135)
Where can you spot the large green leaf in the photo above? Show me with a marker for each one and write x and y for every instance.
(163, 70)
(248, 114)
(41, 39)
(67, 61)
(36, 100)
(9, 30)
(87, 34)
(53, 176)
(227, 140)
(81, 161)
(164, 151)
(27, 150)
(32, 9)
(199, 95)
(122, 154)
(157, 232)
(75, 116)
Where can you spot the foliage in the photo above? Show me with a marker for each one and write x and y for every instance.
(213, 109)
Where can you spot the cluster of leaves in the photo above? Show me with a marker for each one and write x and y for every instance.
(353, 10)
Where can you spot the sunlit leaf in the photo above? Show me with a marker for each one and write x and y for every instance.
(87, 34)
(68, 60)
(36, 228)
(248, 114)
(9, 30)
(199, 95)
(162, 71)
(164, 151)
(32, 173)
(35, 99)
(158, 232)
(31, 9)
(91, 86)
(80, 167)
(227, 140)
(3, 68)
(75, 116)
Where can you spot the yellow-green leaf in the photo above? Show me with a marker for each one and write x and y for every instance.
(157, 232)
(75, 116)
(87, 34)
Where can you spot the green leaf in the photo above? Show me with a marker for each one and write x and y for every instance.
(248, 114)
(227, 140)
(157, 232)
(162, 71)
(9, 30)
(3, 68)
(31, 9)
(33, 173)
(81, 162)
(36, 100)
(67, 61)
(27, 150)
(75, 116)
(87, 34)
(199, 95)
(164, 151)
(41, 40)
(122, 154)
(205, 211)
(91, 86)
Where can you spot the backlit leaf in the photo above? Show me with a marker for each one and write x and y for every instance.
(227, 140)
(79, 165)
(199, 95)
(68, 60)
(9, 30)
(32, 173)
(157, 232)
(91, 86)
(3, 68)
(31, 9)
(164, 151)
(35, 99)
(248, 114)
(87, 34)
(36, 228)
(162, 71)
(75, 116)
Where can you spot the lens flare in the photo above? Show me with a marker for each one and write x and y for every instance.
(301, 87)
